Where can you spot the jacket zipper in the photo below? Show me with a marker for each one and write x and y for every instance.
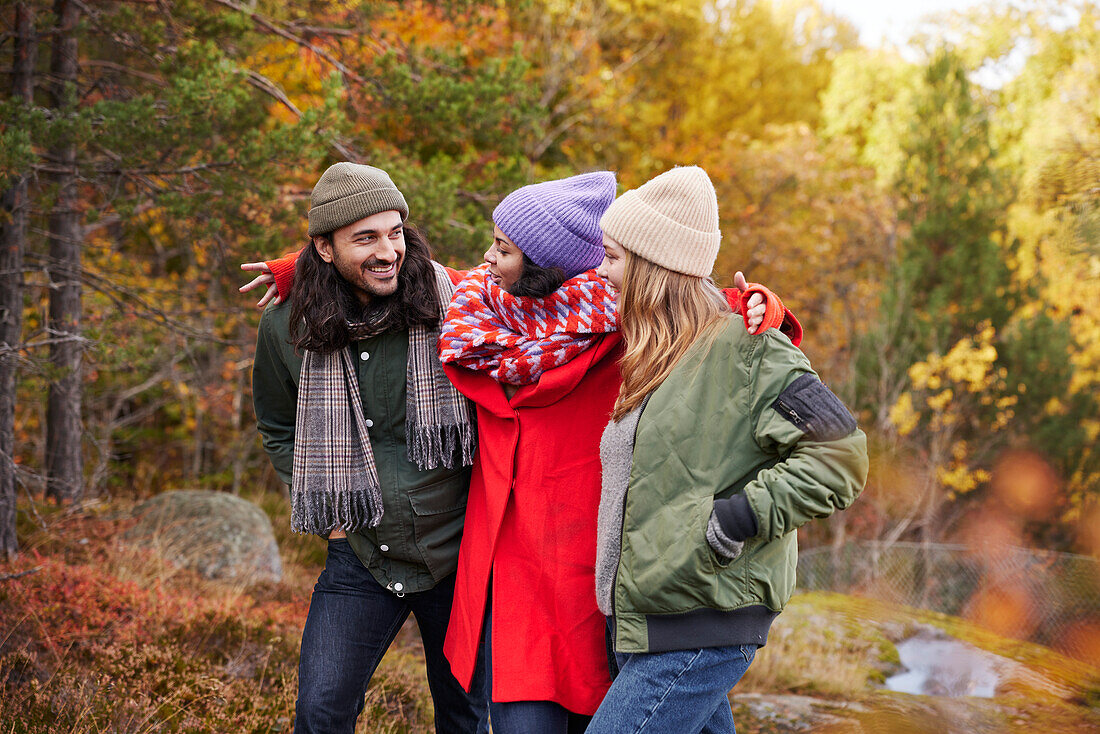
(791, 412)
(622, 520)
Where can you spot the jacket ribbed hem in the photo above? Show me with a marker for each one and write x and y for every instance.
(708, 628)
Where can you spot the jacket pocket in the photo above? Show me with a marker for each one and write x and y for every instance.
(721, 566)
(438, 512)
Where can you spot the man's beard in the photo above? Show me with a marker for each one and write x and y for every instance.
(374, 317)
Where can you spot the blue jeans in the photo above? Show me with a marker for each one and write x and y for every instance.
(524, 717)
(352, 621)
(678, 692)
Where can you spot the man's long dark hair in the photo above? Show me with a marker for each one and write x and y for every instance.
(323, 303)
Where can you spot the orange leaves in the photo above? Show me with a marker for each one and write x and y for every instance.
(1027, 486)
(1006, 609)
(1085, 636)
(88, 591)
(99, 638)
(66, 606)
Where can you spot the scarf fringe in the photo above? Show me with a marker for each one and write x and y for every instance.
(432, 446)
(351, 509)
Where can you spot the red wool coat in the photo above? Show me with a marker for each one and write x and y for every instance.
(531, 527)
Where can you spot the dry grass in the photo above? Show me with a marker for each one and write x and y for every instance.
(812, 651)
(101, 636)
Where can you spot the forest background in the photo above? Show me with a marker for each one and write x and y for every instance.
(931, 213)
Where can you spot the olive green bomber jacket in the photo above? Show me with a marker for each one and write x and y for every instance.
(732, 419)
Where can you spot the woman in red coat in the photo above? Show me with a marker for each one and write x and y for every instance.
(531, 339)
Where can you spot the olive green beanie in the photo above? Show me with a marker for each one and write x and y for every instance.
(671, 220)
(348, 192)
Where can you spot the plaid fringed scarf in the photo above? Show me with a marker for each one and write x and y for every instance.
(335, 480)
(514, 338)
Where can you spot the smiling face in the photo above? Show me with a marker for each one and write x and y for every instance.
(505, 260)
(614, 263)
(368, 254)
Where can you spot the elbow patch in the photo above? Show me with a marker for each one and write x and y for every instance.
(814, 410)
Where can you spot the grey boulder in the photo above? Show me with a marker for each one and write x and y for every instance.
(220, 536)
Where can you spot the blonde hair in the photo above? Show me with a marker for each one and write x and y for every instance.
(662, 315)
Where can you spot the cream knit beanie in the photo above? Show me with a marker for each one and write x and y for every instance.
(671, 220)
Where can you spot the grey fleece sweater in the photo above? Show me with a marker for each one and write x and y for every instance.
(617, 458)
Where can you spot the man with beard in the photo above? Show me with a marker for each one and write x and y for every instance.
(358, 417)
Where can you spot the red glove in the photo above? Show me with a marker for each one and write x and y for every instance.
(776, 315)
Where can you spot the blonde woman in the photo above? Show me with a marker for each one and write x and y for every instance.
(721, 444)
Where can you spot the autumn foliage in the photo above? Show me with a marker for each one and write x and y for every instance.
(930, 212)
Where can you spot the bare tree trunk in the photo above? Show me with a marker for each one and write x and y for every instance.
(64, 457)
(13, 243)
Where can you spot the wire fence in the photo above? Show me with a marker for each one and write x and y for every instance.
(1045, 597)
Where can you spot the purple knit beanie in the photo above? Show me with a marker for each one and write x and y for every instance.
(557, 223)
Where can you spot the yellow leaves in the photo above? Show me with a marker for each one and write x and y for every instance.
(902, 415)
(960, 479)
(958, 476)
(1001, 421)
(295, 70)
(949, 392)
(1054, 406)
(921, 373)
(940, 401)
(969, 366)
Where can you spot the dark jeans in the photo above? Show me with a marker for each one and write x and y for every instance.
(525, 717)
(352, 621)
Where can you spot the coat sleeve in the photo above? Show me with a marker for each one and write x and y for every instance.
(274, 398)
(283, 270)
(822, 454)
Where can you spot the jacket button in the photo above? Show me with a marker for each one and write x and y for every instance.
(364, 356)
(383, 547)
(398, 586)
(370, 423)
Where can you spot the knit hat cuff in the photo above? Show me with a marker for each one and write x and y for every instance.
(332, 215)
(648, 233)
(554, 246)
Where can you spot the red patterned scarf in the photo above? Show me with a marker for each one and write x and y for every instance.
(515, 338)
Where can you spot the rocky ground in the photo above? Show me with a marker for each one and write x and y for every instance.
(1035, 690)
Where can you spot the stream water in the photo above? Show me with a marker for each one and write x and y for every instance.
(937, 665)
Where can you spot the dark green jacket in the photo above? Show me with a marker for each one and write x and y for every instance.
(735, 419)
(416, 544)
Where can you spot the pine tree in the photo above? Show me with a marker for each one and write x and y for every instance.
(952, 272)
